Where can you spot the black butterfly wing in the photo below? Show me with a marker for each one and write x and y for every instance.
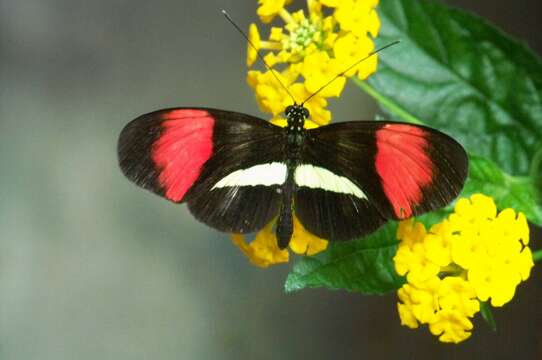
(383, 170)
(182, 154)
(336, 216)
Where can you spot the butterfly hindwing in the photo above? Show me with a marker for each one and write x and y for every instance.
(236, 209)
(336, 216)
(400, 169)
(182, 153)
(238, 190)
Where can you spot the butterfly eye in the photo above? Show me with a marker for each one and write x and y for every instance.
(288, 110)
(306, 113)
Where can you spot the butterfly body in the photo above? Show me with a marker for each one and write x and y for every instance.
(295, 139)
(237, 173)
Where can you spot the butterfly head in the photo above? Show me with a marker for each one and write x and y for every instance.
(296, 115)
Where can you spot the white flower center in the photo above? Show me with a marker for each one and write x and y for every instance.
(302, 36)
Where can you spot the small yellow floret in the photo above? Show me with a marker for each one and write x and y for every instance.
(263, 251)
(268, 9)
(254, 37)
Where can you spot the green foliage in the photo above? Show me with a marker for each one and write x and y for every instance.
(455, 72)
(364, 266)
(477, 84)
(487, 315)
(519, 193)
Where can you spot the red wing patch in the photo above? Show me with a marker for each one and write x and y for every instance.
(184, 145)
(404, 165)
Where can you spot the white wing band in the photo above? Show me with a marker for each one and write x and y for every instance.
(319, 178)
(263, 174)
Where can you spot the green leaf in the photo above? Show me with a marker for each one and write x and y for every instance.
(458, 73)
(519, 193)
(364, 265)
(487, 315)
(434, 217)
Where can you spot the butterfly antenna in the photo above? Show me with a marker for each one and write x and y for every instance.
(349, 68)
(257, 53)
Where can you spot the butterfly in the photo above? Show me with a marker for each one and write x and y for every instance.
(237, 173)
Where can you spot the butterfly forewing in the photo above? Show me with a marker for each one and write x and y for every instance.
(193, 155)
(420, 169)
(401, 169)
(336, 216)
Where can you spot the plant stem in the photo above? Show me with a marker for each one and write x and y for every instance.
(487, 314)
(386, 102)
(537, 255)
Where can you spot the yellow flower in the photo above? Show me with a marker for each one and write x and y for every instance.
(407, 316)
(369, 67)
(457, 302)
(491, 247)
(270, 8)
(318, 68)
(263, 251)
(270, 94)
(305, 243)
(410, 232)
(476, 253)
(330, 3)
(451, 326)
(305, 53)
(437, 244)
(256, 43)
(457, 294)
(316, 105)
(445, 305)
(312, 49)
(523, 263)
(467, 249)
(412, 258)
(252, 51)
(358, 17)
(272, 97)
(349, 48)
(418, 302)
(470, 213)
(492, 280)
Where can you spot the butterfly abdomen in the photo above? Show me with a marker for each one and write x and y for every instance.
(285, 222)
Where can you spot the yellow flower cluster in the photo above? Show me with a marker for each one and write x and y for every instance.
(310, 50)
(473, 255)
(263, 251)
(305, 54)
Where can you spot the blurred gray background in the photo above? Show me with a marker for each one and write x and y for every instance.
(92, 267)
